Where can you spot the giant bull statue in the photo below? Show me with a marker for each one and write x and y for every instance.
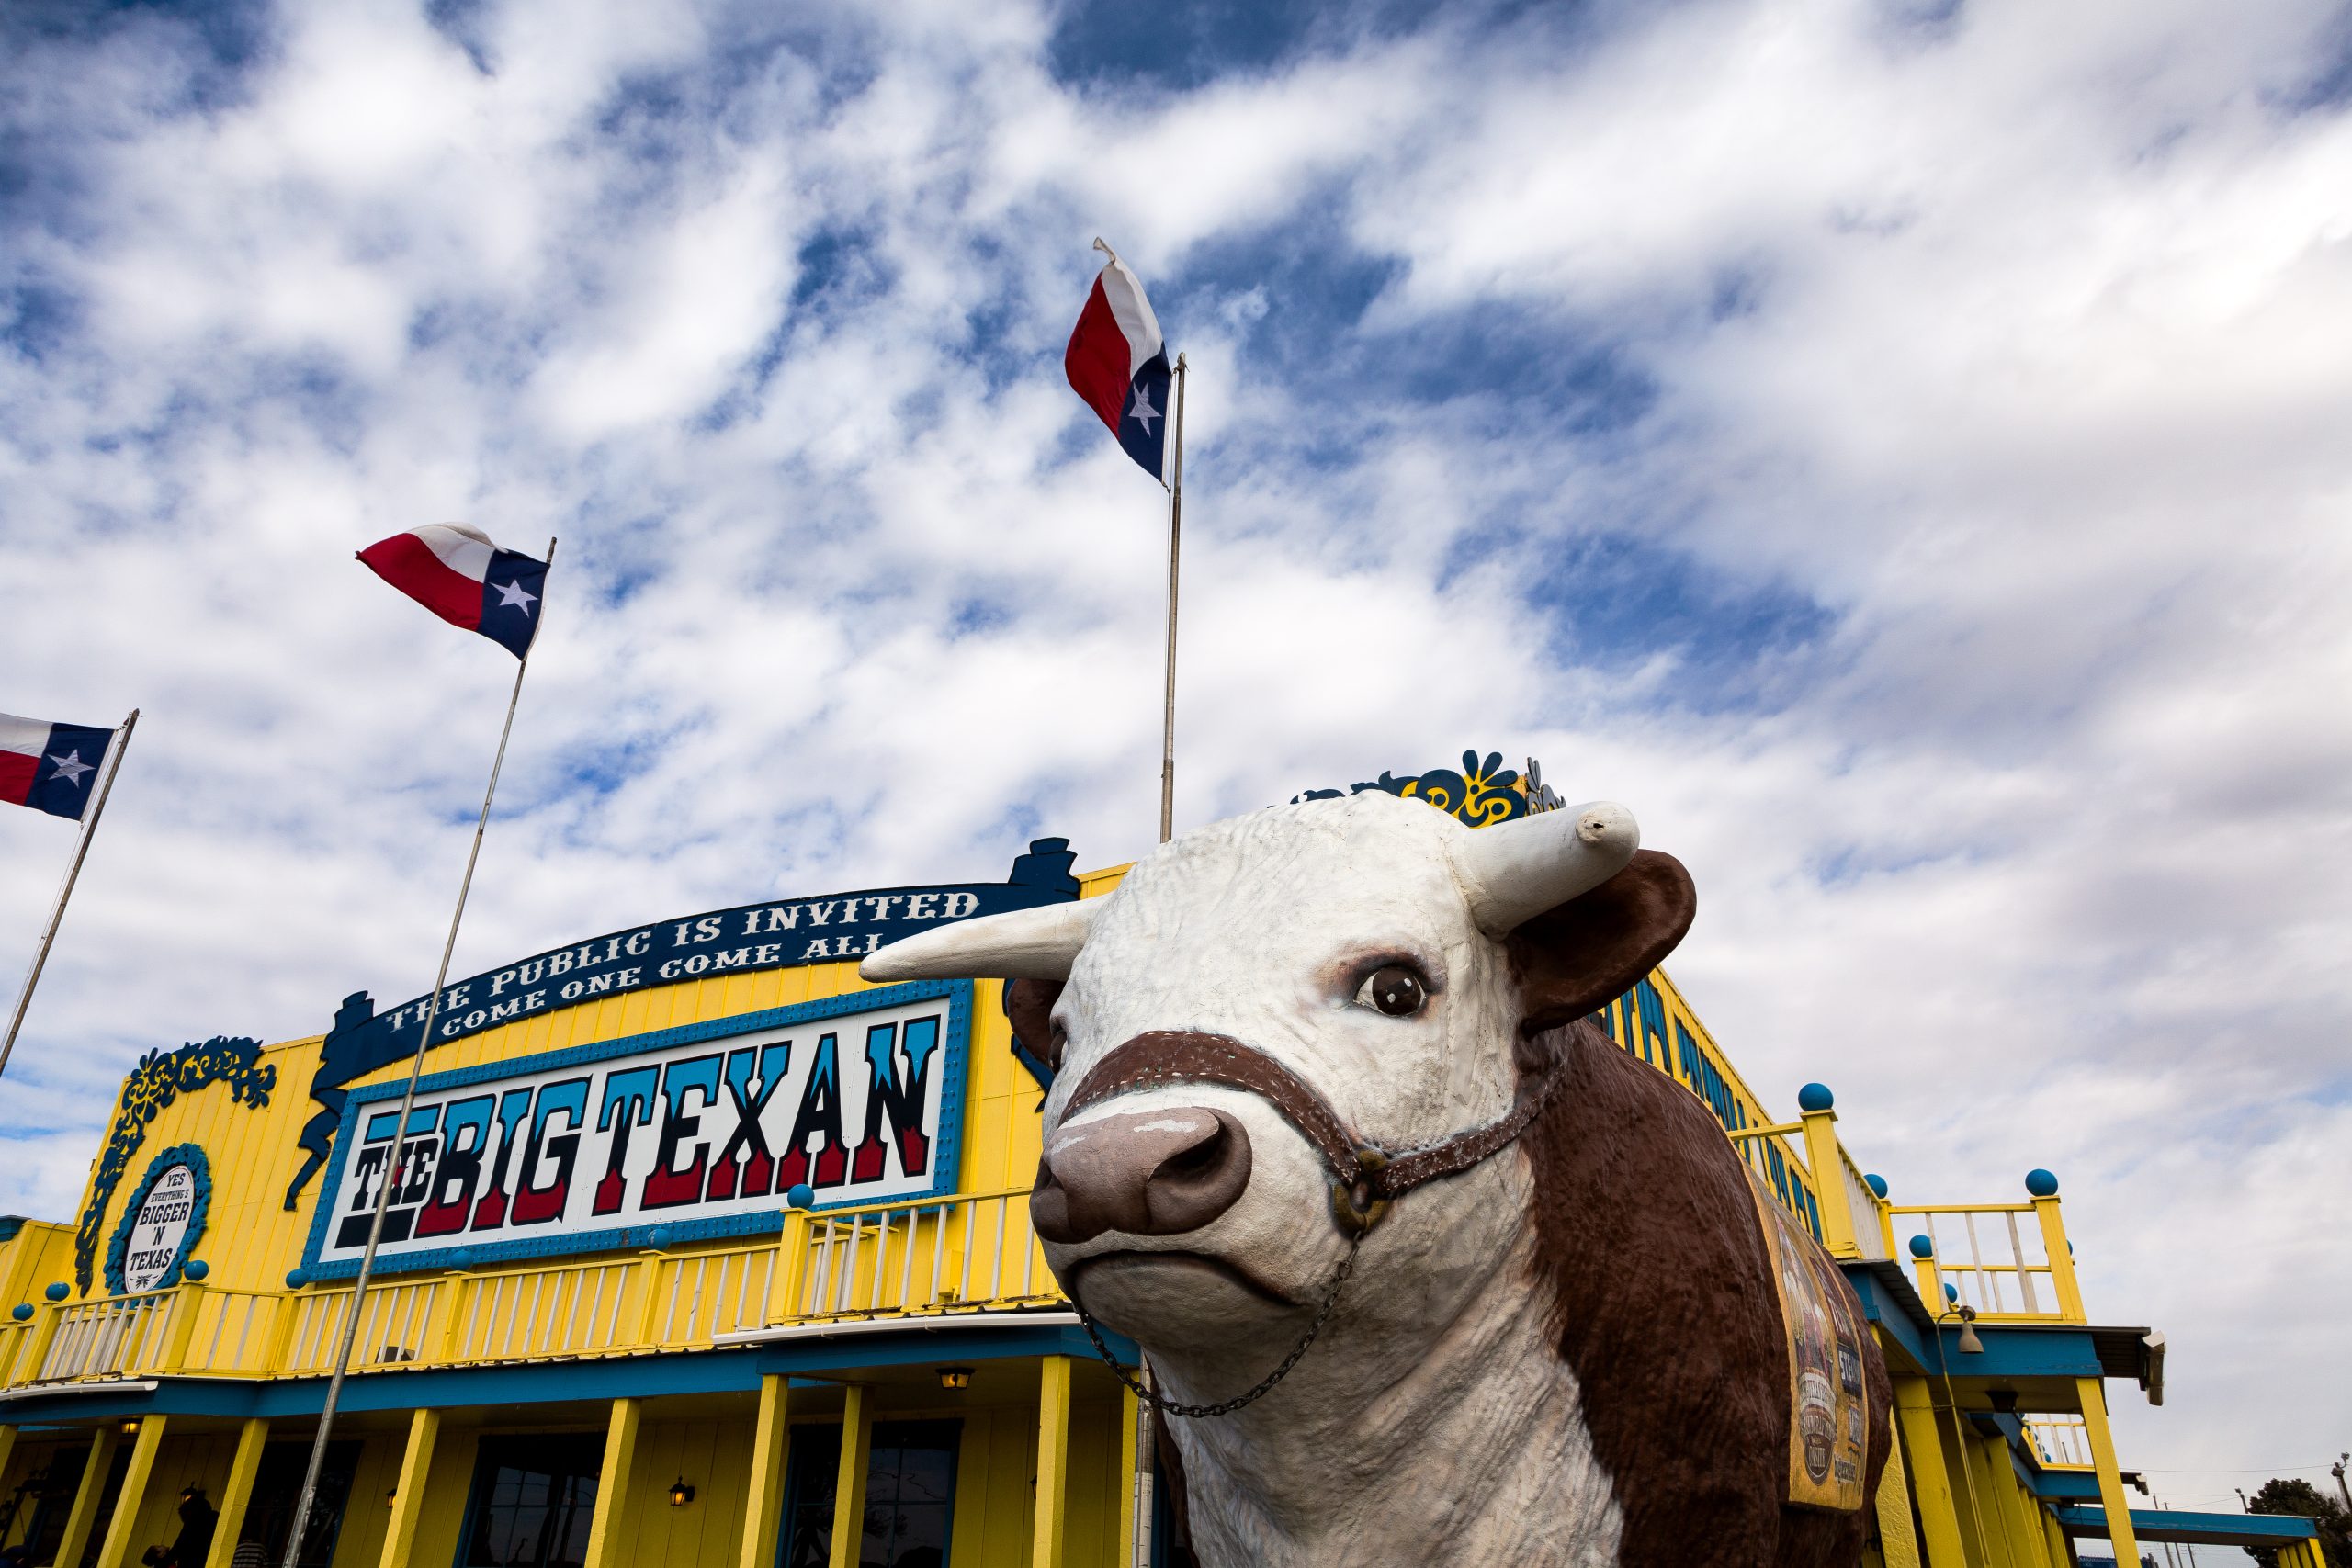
(1428, 1270)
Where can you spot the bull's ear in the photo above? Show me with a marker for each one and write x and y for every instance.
(1578, 956)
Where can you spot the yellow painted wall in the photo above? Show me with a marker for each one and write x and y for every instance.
(716, 1457)
(996, 1487)
(37, 1255)
(446, 1486)
(365, 1517)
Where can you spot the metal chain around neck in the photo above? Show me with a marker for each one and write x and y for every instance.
(1225, 1407)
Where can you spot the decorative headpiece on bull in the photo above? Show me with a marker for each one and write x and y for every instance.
(1347, 1043)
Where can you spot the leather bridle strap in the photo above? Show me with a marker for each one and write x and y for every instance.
(1365, 1177)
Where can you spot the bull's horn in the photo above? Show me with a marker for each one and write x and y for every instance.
(1514, 870)
(1022, 944)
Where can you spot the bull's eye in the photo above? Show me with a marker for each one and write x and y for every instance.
(1395, 989)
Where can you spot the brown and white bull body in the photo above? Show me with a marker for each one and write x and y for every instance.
(1569, 1352)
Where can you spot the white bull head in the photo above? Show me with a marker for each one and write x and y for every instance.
(1372, 954)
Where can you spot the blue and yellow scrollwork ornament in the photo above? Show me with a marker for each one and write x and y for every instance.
(1483, 793)
(160, 1077)
(161, 1222)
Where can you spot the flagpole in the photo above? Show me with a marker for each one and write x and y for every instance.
(1175, 542)
(73, 872)
(392, 1171)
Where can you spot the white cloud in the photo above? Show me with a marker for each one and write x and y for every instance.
(2013, 345)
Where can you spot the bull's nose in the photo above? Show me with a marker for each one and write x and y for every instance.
(1148, 1173)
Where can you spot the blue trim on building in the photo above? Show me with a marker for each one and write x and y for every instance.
(946, 1150)
(735, 1370)
(2010, 1350)
(2200, 1530)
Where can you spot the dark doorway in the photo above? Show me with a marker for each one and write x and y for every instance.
(534, 1501)
(278, 1486)
(909, 1495)
(48, 1497)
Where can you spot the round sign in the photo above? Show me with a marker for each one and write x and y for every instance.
(159, 1229)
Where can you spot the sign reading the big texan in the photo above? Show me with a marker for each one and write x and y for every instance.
(836, 928)
(699, 1131)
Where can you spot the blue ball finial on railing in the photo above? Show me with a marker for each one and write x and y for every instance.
(1951, 1292)
(1877, 1184)
(1815, 1096)
(21, 1311)
(297, 1277)
(58, 1292)
(801, 1196)
(2041, 1183)
(658, 1238)
(194, 1270)
(1923, 1246)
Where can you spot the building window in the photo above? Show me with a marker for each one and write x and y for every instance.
(534, 1500)
(910, 1495)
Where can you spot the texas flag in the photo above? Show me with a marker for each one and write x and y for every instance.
(49, 766)
(456, 572)
(1118, 363)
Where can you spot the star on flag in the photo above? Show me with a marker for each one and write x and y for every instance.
(43, 765)
(1118, 362)
(457, 573)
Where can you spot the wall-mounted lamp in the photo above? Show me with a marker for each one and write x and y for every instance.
(955, 1378)
(129, 1426)
(1969, 1345)
(389, 1496)
(680, 1492)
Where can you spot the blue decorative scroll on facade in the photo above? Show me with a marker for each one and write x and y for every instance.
(160, 1077)
(121, 1250)
(781, 934)
(1483, 793)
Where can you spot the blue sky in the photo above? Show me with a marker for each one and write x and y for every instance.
(1896, 449)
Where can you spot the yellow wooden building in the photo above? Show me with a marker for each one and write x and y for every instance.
(621, 1318)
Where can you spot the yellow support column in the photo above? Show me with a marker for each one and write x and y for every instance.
(2060, 1557)
(115, 1550)
(408, 1496)
(848, 1481)
(1986, 1500)
(611, 1523)
(2013, 1508)
(2093, 1392)
(1815, 1103)
(7, 1446)
(1931, 1482)
(1898, 1543)
(2043, 1187)
(85, 1512)
(1053, 1460)
(251, 1439)
(31, 1364)
(187, 1305)
(770, 1441)
(1130, 1421)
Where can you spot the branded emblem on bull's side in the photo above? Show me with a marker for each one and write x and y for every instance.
(1437, 1272)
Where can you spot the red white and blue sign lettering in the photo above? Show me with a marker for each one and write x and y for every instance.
(49, 767)
(1118, 363)
(687, 1132)
(459, 575)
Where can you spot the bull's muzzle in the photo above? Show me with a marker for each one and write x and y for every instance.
(1159, 1172)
